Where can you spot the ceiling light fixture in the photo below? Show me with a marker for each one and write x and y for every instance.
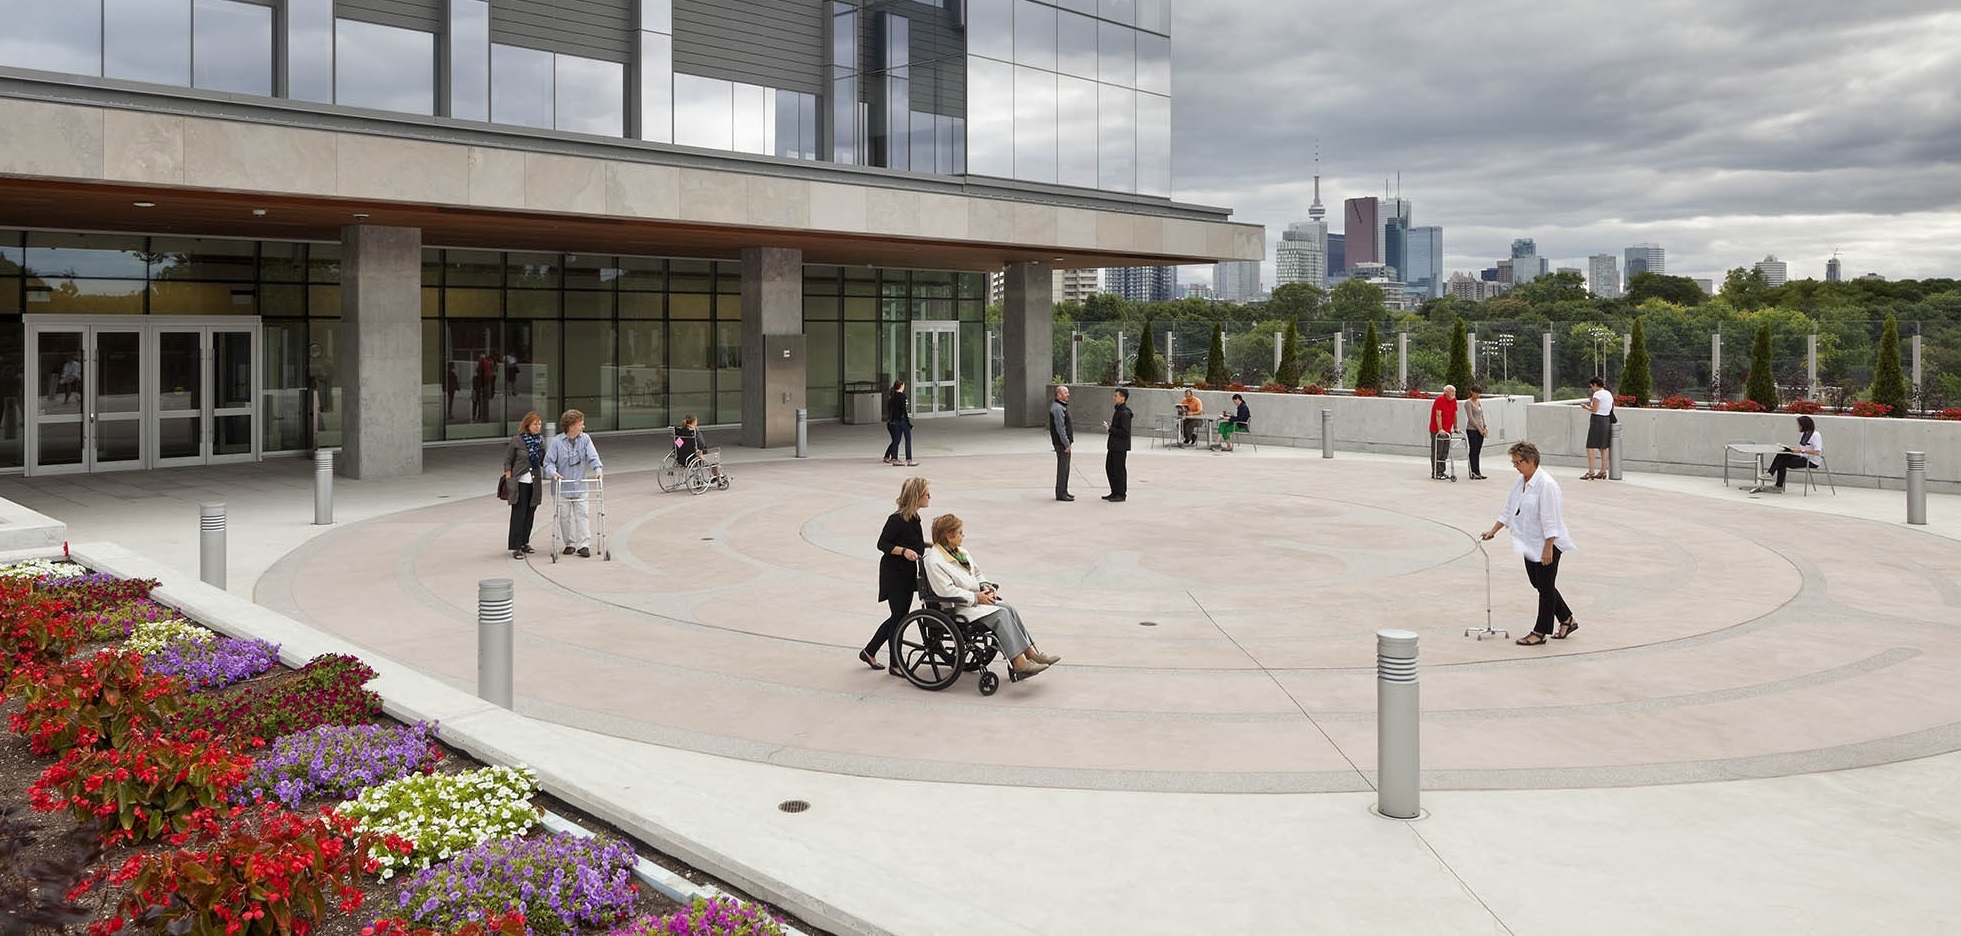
(145, 204)
(360, 216)
(258, 212)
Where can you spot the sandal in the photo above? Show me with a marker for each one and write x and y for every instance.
(865, 657)
(1533, 639)
(1566, 629)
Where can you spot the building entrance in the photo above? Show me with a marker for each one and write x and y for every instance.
(134, 392)
(935, 384)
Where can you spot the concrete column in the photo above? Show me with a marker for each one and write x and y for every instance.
(1402, 360)
(774, 369)
(1027, 343)
(1338, 361)
(1716, 361)
(381, 351)
(1811, 366)
(1916, 367)
(1545, 366)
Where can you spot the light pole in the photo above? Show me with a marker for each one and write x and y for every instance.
(1504, 354)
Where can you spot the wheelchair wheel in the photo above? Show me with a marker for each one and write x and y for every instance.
(671, 474)
(722, 481)
(697, 481)
(988, 683)
(929, 649)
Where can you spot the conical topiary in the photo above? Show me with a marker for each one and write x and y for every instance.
(1368, 375)
(1762, 386)
(1459, 372)
(1636, 381)
(1215, 360)
(1290, 357)
(1889, 383)
(1147, 372)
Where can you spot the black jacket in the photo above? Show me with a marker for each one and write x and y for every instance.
(898, 575)
(1061, 433)
(1120, 428)
(895, 408)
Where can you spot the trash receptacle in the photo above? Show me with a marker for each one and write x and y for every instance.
(863, 404)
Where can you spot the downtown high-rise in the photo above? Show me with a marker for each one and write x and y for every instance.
(1604, 276)
(1644, 258)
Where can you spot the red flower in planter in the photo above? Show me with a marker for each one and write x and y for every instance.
(1314, 390)
(1950, 414)
(1678, 402)
(1367, 391)
(1869, 408)
(1804, 407)
(1738, 406)
(1623, 399)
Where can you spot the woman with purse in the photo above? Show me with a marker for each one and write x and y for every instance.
(898, 422)
(899, 547)
(523, 460)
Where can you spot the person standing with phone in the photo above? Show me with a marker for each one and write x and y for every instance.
(1118, 426)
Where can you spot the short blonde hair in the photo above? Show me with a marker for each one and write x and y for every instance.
(912, 496)
(945, 525)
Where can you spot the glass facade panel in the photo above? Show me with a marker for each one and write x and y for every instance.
(231, 46)
(533, 270)
(146, 40)
(1116, 55)
(1154, 15)
(591, 271)
(283, 405)
(642, 375)
(530, 372)
(657, 87)
(310, 50)
(472, 352)
(1153, 145)
(520, 86)
(473, 267)
(1153, 64)
(92, 256)
(437, 389)
(824, 350)
(1116, 138)
(469, 59)
(175, 258)
(690, 380)
(1076, 132)
(53, 35)
(588, 364)
(991, 29)
(591, 96)
(1076, 45)
(728, 373)
(704, 112)
(1034, 125)
(323, 372)
(1034, 34)
(754, 118)
(657, 15)
(384, 67)
(1122, 11)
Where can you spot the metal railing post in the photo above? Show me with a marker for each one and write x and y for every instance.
(803, 433)
(211, 544)
(323, 487)
(1614, 453)
(1327, 433)
(1917, 488)
(1545, 366)
(1397, 786)
(495, 613)
(1075, 351)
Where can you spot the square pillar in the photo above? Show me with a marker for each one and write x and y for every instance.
(774, 371)
(381, 351)
(1027, 343)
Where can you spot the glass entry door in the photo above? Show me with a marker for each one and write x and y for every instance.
(935, 384)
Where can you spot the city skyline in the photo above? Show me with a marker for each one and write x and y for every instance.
(1715, 143)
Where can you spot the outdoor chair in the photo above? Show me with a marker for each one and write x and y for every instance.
(1163, 430)
(1823, 466)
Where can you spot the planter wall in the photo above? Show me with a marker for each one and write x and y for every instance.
(1387, 425)
(1863, 452)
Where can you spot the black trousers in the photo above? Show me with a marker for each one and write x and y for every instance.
(888, 632)
(1475, 443)
(1062, 472)
(524, 508)
(1118, 473)
(1786, 461)
(1439, 454)
(899, 430)
(1552, 607)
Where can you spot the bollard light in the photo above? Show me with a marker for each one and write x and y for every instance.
(323, 487)
(1614, 452)
(1327, 433)
(1917, 488)
(495, 615)
(211, 544)
(803, 433)
(1397, 764)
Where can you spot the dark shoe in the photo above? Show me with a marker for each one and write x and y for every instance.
(1117, 499)
(1065, 497)
(895, 671)
(585, 552)
(527, 549)
(1533, 639)
(1566, 629)
(568, 551)
(865, 657)
(517, 554)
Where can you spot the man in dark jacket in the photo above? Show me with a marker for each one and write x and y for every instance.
(1113, 463)
(1062, 436)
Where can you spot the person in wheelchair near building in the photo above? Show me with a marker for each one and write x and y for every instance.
(953, 576)
(688, 443)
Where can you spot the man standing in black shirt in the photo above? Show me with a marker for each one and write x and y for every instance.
(1063, 437)
(1113, 463)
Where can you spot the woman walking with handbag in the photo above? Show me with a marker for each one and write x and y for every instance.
(523, 460)
(898, 422)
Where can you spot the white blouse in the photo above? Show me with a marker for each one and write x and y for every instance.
(1813, 449)
(1533, 515)
(1603, 403)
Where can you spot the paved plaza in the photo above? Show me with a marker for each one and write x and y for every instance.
(1753, 730)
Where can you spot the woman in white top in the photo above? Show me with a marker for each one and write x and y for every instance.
(953, 575)
(1600, 428)
(1810, 451)
(1532, 513)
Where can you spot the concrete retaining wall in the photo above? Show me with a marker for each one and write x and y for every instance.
(1387, 425)
(1862, 452)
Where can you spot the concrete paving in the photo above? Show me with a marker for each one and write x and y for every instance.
(1805, 640)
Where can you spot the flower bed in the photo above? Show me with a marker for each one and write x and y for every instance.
(558, 882)
(212, 662)
(339, 761)
(443, 814)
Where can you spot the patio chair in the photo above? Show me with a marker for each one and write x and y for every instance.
(1163, 430)
(1823, 466)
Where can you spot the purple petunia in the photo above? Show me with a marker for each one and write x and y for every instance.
(720, 916)
(559, 882)
(214, 662)
(337, 761)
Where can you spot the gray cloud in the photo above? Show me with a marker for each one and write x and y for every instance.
(1721, 129)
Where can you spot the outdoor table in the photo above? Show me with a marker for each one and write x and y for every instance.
(1210, 426)
(1758, 450)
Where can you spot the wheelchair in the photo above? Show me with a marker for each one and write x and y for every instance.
(701, 470)
(935, 646)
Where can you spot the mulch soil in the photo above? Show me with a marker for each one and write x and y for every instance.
(20, 767)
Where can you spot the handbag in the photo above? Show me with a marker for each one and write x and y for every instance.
(503, 488)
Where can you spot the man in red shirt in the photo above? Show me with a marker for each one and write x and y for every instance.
(1443, 421)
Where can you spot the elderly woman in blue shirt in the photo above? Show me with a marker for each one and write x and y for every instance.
(567, 459)
(1532, 513)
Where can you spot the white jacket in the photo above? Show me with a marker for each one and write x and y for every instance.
(948, 580)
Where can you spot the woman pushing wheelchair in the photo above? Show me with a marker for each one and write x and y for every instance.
(952, 574)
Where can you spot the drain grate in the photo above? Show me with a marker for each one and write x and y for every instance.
(793, 806)
(706, 538)
(1147, 623)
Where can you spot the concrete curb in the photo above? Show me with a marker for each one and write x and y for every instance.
(28, 534)
(485, 731)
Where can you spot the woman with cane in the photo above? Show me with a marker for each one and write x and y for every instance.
(1532, 513)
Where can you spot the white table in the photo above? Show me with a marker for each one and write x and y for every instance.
(1759, 450)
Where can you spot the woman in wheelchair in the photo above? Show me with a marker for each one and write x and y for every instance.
(953, 575)
(688, 443)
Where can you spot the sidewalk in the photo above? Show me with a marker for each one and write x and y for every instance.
(1011, 849)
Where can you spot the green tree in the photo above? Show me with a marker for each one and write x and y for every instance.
(1889, 383)
(1680, 290)
(1459, 373)
(1215, 360)
(1762, 385)
(1290, 354)
(1356, 300)
(1745, 289)
(1369, 374)
(1147, 371)
(1636, 379)
(1553, 288)
(1298, 302)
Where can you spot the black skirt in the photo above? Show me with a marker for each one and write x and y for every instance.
(1600, 431)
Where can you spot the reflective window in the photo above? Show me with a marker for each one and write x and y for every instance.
(754, 118)
(1122, 11)
(1076, 45)
(657, 87)
(795, 125)
(52, 35)
(1080, 6)
(657, 15)
(591, 96)
(991, 29)
(310, 50)
(1116, 139)
(1153, 145)
(847, 133)
(1076, 132)
(1034, 125)
(1034, 34)
(1153, 63)
(1116, 53)
(147, 40)
(923, 143)
(1154, 15)
(384, 67)
(990, 118)
(469, 59)
(90, 256)
(520, 86)
(173, 258)
(231, 45)
(704, 112)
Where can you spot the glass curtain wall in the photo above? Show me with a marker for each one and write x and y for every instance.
(899, 87)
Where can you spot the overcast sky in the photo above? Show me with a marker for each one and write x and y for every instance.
(1723, 130)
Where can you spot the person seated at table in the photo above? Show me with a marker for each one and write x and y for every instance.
(1234, 420)
(1808, 453)
(1190, 416)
